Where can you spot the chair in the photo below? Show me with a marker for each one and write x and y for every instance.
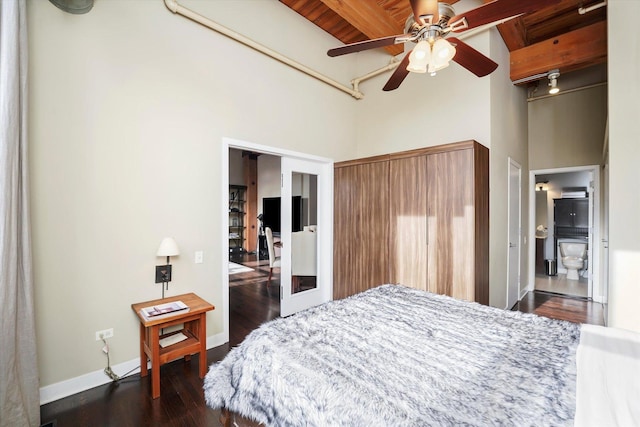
(274, 261)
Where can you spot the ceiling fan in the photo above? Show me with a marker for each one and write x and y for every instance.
(430, 23)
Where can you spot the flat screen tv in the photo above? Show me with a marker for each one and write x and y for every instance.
(271, 213)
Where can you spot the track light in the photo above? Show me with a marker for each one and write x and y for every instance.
(553, 82)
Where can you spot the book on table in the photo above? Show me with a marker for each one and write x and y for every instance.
(172, 339)
(164, 310)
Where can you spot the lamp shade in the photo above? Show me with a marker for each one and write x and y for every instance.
(419, 57)
(443, 52)
(76, 7)
(168, 247)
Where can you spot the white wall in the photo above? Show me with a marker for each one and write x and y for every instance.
(624, 173)
(508, 140)
(128, 105)
(567, 129)
(425, 111)
(268, 178)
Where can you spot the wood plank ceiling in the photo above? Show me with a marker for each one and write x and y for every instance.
(556, 37)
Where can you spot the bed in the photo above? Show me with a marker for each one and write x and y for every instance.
(398, 356)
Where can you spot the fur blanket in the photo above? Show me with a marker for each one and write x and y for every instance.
(395, 356)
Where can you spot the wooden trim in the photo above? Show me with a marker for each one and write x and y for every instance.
(462, 145)
(250, 172)
(513, 33)
(369, 18)
(481, 202)
(362, 161)
(444, 148)
(568, 52)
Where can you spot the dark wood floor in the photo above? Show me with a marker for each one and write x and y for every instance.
(573, 309)
(181, 403)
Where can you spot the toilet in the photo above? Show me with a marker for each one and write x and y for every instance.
(573, 255)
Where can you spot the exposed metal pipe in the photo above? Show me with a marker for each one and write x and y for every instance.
(173, 6)
(390, 66)
(587, 9)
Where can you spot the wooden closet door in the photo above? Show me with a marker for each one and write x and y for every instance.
(408, 222)
(361, 231)
(451, 223)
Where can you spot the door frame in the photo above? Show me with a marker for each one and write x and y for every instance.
(595, 291)
(519, 167)
(325, 252)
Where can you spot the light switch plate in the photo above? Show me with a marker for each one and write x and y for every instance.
(199, 257)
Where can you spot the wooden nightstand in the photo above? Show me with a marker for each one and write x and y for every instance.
(195, 328)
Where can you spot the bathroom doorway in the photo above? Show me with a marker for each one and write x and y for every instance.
(565, 231)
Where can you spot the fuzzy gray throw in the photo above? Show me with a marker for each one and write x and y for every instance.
(395, 356)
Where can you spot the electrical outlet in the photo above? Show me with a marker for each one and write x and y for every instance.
(104, 334)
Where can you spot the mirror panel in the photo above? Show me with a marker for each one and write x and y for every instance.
(304, 241)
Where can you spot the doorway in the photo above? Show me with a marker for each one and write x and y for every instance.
(565, 218)
(317, 182)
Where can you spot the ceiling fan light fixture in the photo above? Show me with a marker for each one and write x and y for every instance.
(443, 51)
(435, 67)
(420, 57)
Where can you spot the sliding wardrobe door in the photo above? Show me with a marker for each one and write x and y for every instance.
(408, 221)
(451, 224)
(361, 230)
(458, 223)
(418, 218)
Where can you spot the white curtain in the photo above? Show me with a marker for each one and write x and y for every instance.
(19, 395)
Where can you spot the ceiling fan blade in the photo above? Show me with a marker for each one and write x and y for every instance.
(368, 44)
(471, 59)
(423, 8)
(497, 10)
(398, 75)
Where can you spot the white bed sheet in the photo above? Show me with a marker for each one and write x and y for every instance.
(608, 377)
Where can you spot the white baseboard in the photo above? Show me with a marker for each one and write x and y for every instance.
(97, 378)
(523, 293)
(216, 340)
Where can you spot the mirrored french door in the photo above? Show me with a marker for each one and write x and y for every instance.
(306, 233)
